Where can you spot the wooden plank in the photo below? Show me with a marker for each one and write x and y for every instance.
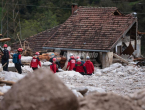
(5, 39)
(7, 82)
(1, 94)
(120, 58)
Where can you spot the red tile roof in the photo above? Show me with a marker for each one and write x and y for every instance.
(36, 42)
(91, 28)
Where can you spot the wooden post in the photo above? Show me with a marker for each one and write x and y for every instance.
(104, 54)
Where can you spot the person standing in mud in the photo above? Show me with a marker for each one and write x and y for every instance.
(53, 66)
(17, 60)
(51, 60)
(89, 66)
(80, 67)
(35, 61)
(5, 58)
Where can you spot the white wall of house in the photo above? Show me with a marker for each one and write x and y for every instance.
(77, 53)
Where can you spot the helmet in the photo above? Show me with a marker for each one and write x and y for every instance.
(20, 49)
(5, 46)
(78, 57)
(54, 59)
(72, 57)
(37, 53)
(52, 54)
(71, 54)
(88, 57)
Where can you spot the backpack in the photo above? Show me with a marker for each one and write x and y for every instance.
(6, 54)
(15, 58)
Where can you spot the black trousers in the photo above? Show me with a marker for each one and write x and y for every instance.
(82, 73)
(18, 67)
(34, 68)
(5, 68)
(89, 74)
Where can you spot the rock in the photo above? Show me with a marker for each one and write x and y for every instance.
(41, 90)
(78, 94)
(110, 101)
(139, 98)
(82, 90)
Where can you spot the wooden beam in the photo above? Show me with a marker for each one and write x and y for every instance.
(120, 58)
(1, 94)
(7, 82)
(5, 39)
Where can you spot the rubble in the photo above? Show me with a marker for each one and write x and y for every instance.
(107, 101)
(41, 90)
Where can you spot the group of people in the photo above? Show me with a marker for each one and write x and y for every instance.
(78, 65)
(84, 68)
(17, 60)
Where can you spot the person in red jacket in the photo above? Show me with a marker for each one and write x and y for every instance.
(35, 61)
(53, 66)
(89, 66)
(79, 67)
(71, 63)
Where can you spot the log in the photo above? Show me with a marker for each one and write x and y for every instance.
(120, 58)
(1, 94)
(7, 82)
(5, 39)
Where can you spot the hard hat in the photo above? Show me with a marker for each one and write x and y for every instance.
(88, 57)
(5, 46)
(37, 53)
(72, 57)
(71, 54)
(79, 59)
(54, 59)
(52, 54)
(20, 49)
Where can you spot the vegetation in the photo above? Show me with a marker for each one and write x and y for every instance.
(39, 15)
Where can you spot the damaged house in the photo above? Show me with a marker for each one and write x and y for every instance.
(95, 31)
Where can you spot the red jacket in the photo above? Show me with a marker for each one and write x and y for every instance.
(35, 62)
(79, 67)
(53, 67)
(89, 67)
(71, 64)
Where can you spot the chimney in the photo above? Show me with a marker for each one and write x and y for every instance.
(74, 7)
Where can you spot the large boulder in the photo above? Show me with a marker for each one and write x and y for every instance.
(110, 101)
(41, 90)
(139, 98)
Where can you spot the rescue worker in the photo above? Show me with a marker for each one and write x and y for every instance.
(18, 64)
(82, 59)
(5, 58)
(89, 66)
(51, 60)
(71, 63)
(79, 67)
(53, 66)
(77, 58)
(35, 61)
(70, 57)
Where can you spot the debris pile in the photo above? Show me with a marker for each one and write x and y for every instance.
(42, 91)
(107, 101)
